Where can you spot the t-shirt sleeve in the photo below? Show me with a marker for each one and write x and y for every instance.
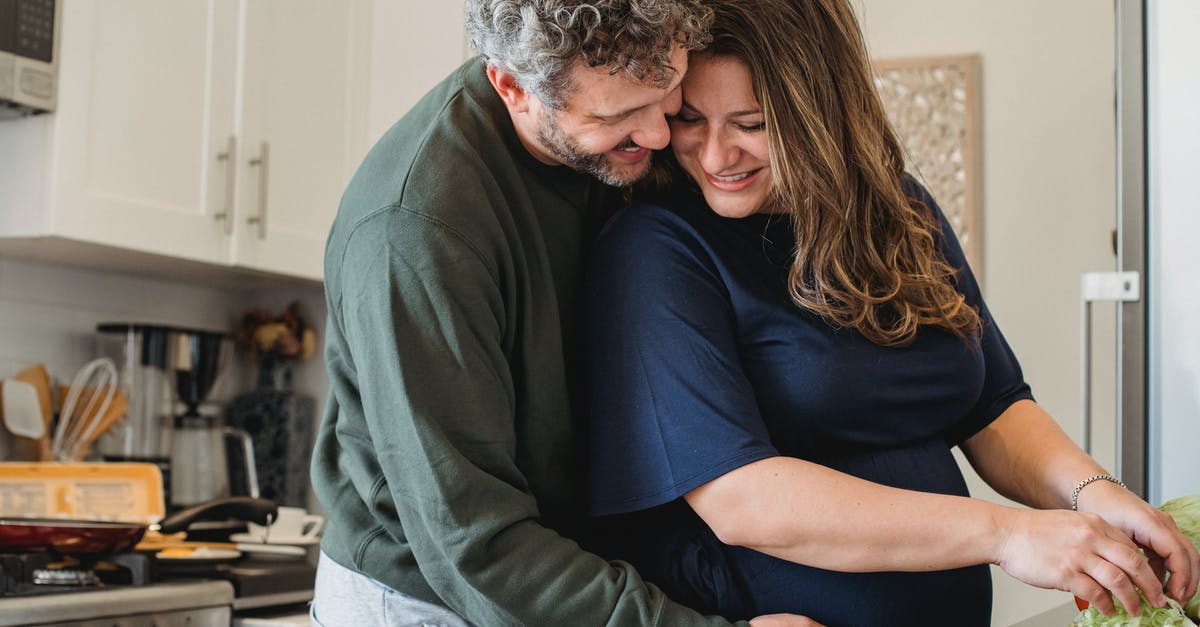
(1003, 383)
(670, 407)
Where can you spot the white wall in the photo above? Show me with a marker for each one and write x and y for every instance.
(1049, 189)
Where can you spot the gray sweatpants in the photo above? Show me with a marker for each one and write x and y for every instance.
(344, 598)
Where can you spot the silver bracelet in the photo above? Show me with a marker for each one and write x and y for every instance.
(1083, 484)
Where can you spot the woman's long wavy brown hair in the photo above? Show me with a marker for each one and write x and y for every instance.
(867, 255)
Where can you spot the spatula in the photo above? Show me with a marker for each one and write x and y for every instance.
(22, 410)
(37, 376)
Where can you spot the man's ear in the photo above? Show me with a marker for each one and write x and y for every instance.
(511, 92)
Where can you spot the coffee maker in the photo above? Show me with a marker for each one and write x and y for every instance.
(167, 373)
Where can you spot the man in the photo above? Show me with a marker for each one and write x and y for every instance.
(448, 456)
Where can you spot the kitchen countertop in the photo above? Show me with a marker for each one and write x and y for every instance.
(1060, 616)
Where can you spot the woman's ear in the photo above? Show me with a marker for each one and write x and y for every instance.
(514, 96)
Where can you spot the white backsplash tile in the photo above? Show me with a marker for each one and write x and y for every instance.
(49, 313)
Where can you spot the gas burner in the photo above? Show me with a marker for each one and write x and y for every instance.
(65, 577)
(24, 574)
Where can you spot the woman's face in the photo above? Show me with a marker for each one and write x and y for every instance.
(719, 136)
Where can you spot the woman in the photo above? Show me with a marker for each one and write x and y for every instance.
(785, 346)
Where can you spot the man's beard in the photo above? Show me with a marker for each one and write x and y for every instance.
(555, 139)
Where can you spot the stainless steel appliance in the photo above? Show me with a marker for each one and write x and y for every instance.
(143, 353)
(128, 595)
(166, 373)
(56, 568)
(1158, 358)
(28, 57)
(152, 594)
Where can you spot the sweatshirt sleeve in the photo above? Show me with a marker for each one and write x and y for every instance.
(423, 314)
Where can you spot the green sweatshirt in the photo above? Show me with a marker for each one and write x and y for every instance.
(448, 458)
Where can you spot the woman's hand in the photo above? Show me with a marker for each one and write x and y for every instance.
(783, 620)
(1150, 528)
(1078, 553)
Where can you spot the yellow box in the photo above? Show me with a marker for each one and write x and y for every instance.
(118, 491)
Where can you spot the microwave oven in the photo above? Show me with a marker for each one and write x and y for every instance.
(28, 51)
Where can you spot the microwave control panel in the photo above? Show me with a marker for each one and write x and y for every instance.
(27, 28)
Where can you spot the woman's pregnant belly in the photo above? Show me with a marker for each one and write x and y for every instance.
(765, 584)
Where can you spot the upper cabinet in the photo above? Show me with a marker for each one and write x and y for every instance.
(213, 131)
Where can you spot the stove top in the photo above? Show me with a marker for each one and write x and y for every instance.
(47, 589)
(32, 574)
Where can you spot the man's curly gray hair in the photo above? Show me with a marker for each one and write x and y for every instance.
(538, 41)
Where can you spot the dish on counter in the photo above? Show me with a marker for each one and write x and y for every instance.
(200, 554)
(274, 539)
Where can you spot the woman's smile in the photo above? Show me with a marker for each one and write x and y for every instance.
(733, 182)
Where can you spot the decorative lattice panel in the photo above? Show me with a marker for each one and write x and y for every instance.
(934, 105)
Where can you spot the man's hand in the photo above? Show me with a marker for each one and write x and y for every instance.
(783, 620)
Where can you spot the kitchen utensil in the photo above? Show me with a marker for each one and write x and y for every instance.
(116, 411)
(37, 376)
(18, 414)
(143, 354)
(87, 400)
(88, 537)
(22, 412)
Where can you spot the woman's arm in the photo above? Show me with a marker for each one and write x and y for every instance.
(1025, 456)
(809, 514)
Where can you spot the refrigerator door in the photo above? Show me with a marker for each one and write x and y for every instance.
(1173, 220)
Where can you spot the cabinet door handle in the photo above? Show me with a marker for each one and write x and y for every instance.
(260, 219)
(230, 159)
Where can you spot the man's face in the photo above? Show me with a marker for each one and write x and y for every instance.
(610, 123)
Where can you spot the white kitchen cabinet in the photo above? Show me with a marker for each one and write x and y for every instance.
(146, 91)
(302, 114)
(214, 131)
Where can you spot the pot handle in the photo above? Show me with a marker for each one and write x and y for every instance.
(246, 444)
(258, 511)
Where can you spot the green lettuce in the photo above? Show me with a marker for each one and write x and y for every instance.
(1169, 615)
(1186, 512)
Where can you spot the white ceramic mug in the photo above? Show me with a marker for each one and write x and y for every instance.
(291, 524)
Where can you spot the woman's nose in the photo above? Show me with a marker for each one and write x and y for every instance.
(717, 153)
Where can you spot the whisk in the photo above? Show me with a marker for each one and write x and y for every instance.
(87, 402)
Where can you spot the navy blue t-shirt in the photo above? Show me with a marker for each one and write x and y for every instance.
(700, 363)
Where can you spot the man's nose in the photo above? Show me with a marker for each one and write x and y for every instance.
(654, 133)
